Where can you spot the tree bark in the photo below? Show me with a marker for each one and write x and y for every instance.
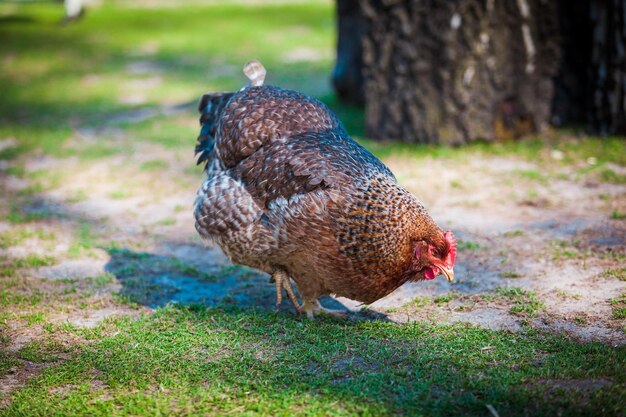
(452, 72)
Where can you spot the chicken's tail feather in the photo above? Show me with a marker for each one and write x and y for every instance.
(210, 108)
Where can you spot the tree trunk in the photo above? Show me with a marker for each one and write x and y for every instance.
(452, 72)
(608, 67)
(590, 88)
(570, 105)
(347, 75)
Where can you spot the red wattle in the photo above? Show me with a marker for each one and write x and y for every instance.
(430, 273)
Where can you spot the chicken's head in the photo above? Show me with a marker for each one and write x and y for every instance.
(434, 256)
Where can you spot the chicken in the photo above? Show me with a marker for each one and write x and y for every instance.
(288, 192)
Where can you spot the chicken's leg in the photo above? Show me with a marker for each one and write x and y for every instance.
(281, 279)
(312, 308)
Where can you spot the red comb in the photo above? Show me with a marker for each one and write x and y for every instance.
(451, 258)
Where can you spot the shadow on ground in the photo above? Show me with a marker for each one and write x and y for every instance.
(156, 280)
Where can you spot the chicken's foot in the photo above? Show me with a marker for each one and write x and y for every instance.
(281, 278)
(312, 308)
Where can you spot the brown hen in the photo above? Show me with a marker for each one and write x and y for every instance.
(290, 193)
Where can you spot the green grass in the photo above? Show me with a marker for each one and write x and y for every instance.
(514, 233)
(40, 352)
(96, 55)
(619, 306)
(16, 236)
(83, 243)
(8, 362)
(101, 281)
(25, 210)
(564, 250)
(526, 303)
(31, 261)
(619, 273)
(531, 174)
(154, 165)
(467, 245)
(608, 175)
(168, 221)
(119, 194)
(510, 274)
(191, 361)
(420, 302)
(446, 298)
(16, 299)
(34, 318)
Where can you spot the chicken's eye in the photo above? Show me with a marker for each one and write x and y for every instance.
(434, 251)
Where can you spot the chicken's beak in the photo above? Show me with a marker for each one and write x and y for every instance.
(448, 272)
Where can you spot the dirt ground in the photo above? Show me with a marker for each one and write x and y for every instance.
(550, 236)
(554, 237)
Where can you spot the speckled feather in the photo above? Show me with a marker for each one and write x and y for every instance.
(287, 187)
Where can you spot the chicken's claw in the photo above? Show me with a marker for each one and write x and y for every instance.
(281, 279)
(313, 308)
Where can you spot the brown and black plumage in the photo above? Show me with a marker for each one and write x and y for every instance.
(290, 193)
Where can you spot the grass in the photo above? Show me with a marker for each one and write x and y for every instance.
(101, 281)
(531, 174)
(29, 261)
(83, 243)
(39, 352)
(119, 194)
(16, 236)
(34, 318)
(16, 299)
(510, 274)
(609, 175)
(189, 360)
(154, 165)
(446, 298)
(619, 273)
(168, 221)
(467, 245)
(567, 294)
(7, 362)
(526, 303)
(619, 306)
(564, 250)
(26, 210)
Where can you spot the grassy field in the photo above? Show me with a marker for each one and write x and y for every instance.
(110, 305)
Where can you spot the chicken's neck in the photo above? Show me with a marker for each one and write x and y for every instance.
(379, 230)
